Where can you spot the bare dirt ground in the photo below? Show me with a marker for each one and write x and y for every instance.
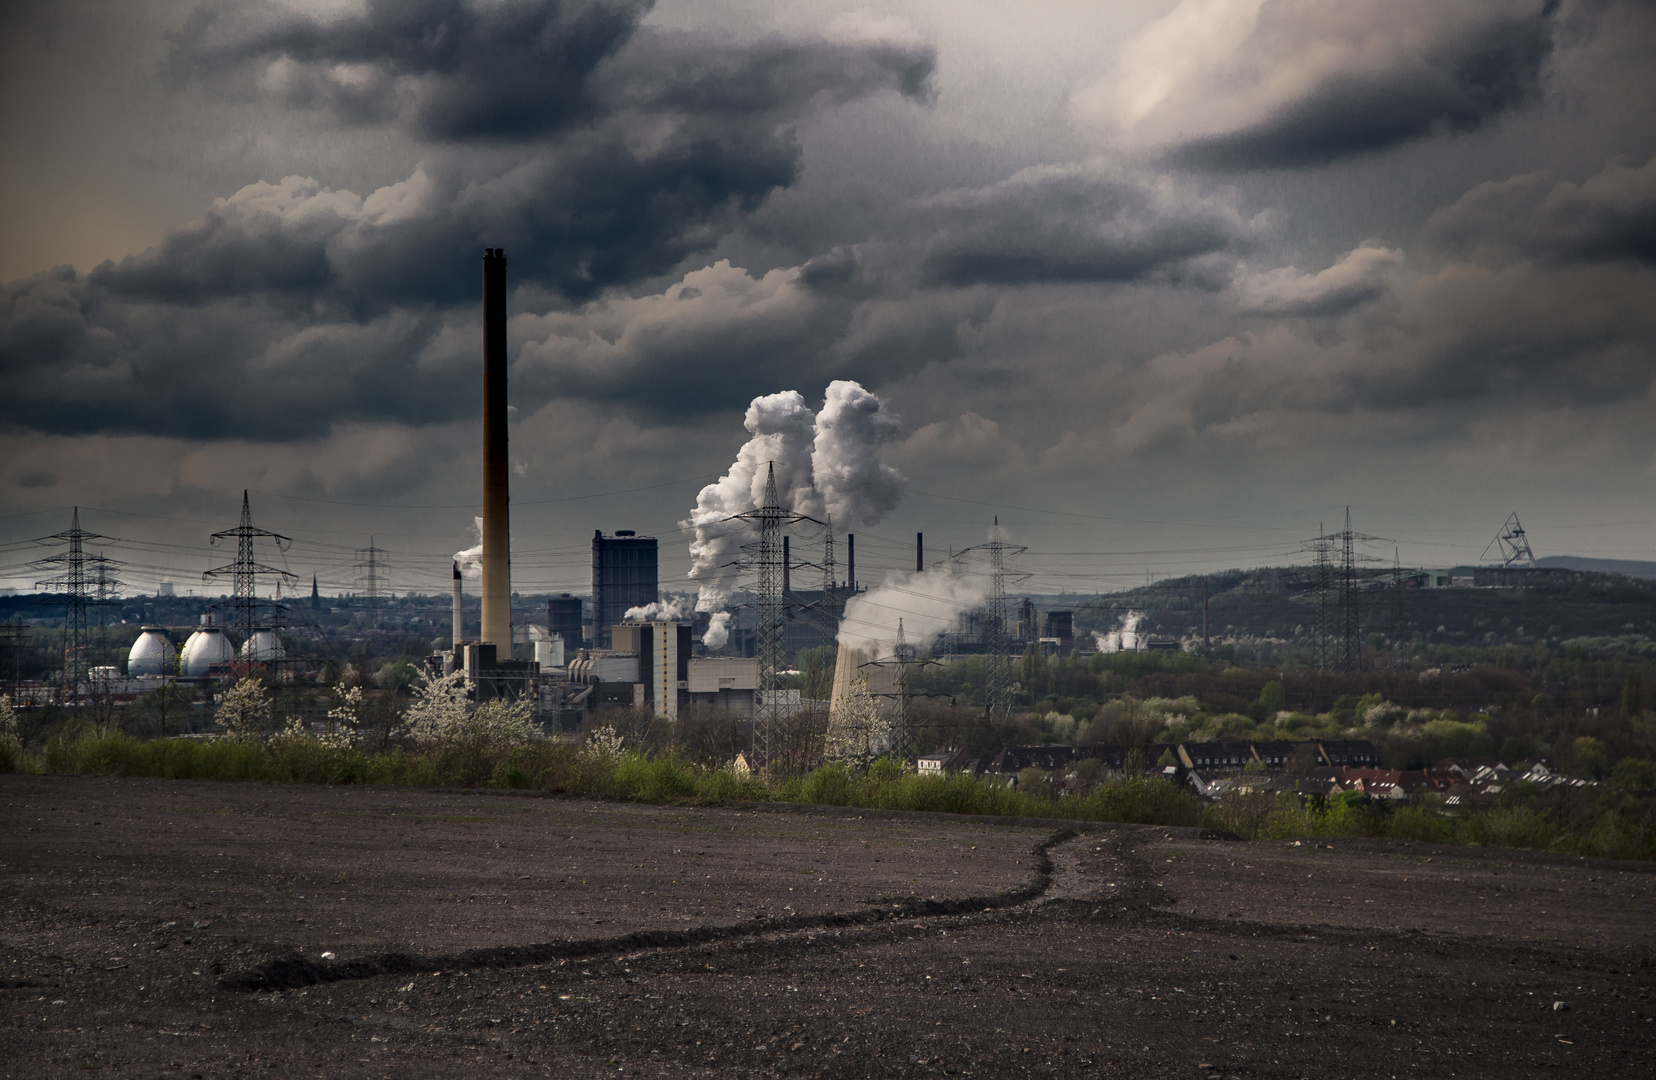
(166, 929)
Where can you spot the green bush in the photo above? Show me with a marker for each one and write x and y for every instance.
(1511, 826)
(1419, 823)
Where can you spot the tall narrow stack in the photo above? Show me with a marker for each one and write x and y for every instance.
(497, 568)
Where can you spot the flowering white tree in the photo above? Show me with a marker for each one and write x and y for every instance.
(8, 721)
(605, 743)
(442, 712)
(347, 719)
(857, 732)
(500, 722)
(439, 708)
(245, 711)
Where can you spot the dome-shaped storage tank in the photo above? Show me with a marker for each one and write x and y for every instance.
(206, 647)
(264, 644)
(151, 655)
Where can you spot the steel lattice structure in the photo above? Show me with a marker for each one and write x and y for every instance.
(1338, 632)
(899, 735)
(370, 577)
(768, 610)
(69, 574)
(997, 662)
(830, 589)
(245, 572)
(1511, 545)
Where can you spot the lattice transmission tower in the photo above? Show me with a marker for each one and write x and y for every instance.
(371, 581)
(830, 588)
(899, 728)
(245, 572)
(997, 660)
(1337, 580)
(69, 573)
(768, 560)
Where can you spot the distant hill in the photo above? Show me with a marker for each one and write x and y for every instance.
(1516, 607)
(1631, 567)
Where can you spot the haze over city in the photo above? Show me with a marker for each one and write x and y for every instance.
(1166, 287)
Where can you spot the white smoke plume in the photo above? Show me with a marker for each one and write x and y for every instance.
(928, 604)
(1125, 637)
(471, 559)
(718, 630)
(670, 608)
(855, 486)
(826, 463)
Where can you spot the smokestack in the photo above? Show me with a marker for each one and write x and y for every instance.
(497, 568)
(919, 553)
(457, 602)
(851, 561)
(787, 565)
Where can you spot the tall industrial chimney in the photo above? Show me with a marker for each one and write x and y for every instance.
(919, 553)
(851, 561)
(457, 623)
(497, 556)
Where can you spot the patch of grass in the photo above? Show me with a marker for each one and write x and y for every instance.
(1603, 823)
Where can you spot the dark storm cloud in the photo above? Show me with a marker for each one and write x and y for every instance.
(1239, 84)
(1609, 217)
(677, 134)
(1074, 224)
(597, 210)
(77, 359)
(289, 306)
(453, 71)
(1456, 87)
(703, 74)
(443, 69)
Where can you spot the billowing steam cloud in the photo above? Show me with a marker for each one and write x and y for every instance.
(925, 605)
(471, 559)
(827, 465)
(1125, 637)
(718, 630)
(668, 609)
(928, 604)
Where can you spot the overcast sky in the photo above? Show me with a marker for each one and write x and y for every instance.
(1165, 285)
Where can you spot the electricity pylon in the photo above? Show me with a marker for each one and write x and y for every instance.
(245, 572)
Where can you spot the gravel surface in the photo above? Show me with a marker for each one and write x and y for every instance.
(178, 929)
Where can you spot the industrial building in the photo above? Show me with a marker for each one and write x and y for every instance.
(152, 655)
(624, 576)
(651, 667)
(563, 620)
(209, 645)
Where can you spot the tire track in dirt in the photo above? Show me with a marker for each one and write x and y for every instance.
(296, 970)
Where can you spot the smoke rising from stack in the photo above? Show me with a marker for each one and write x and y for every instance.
(929, 603)
(1125, 637)
(669, 608)
(718, 630)
(471, 559)
(827, 464)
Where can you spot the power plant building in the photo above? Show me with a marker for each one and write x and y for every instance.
(624, 575)
(563, 620)
(651, 668)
